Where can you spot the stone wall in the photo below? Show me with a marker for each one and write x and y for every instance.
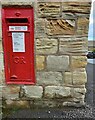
(61, 30)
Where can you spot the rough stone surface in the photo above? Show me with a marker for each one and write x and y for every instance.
(82, 26)
(40, 62)
(76, 7)
(78, 62)
(2, 78)
(43, 103)
(57, 63)
(48, 9)
(68, 15)
(40, 27)
(0, 92)
(46, 46)
(74, 104)
(1, 62)
(57, 92)
(60, 27)
(79, 78)
(33, 91)
(17, 2)
(10, 92)
(17, 104)
(78, 93)
(49, 78)
(73, 45)
(68, 76)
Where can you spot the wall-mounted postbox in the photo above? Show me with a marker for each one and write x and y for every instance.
(18, 40)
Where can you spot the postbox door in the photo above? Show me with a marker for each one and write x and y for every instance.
(19, 56)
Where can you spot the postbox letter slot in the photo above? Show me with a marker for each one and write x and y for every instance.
(17, 20)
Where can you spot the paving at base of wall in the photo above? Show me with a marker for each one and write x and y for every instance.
(70, 113)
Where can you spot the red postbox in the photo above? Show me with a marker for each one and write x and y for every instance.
(18, 41)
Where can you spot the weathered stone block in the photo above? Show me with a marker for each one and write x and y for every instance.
(79, 78)
(57, 92)
(0, 92)
(40, 62)
(82, 26)
(48, 9)
(78, 62)
(60, 27)
(10, 92)
(17, 104)
(17, 2)
(77, 7)
(49, 78)
(43, 103)
(57, 63)
(78, 92)
(40, 27)
(73, 45)
(46, 46)
(68, 76)
(74, 104)
(68, 15)
(34, 91)
(2, 78)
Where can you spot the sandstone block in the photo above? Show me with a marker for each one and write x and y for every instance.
(76, 7)
(49, 78)
(68, 15)
(68, 78)
(17, 2)
(60, 27)
(73, 45)
(43, 103)
(78, 61)
(0, 93)
(57, 63)
(79, 78)
(82, 26)
(2, 78)
(46, 9)
(78, 93)
(17, 104)
(40, 62)
(10, 92)
(1, 62)
(34, 91)
(74, 104)
(46, 46)
(57, 92)
(39, 27)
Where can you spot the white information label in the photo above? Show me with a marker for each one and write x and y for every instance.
(18, 41)
(18, 28)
